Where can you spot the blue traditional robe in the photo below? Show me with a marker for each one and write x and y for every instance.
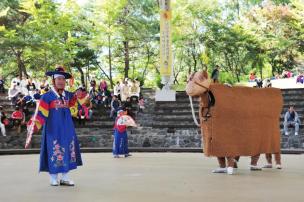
(120, 144)
(60, 150)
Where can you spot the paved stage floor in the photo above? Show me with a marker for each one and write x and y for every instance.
(152, 177)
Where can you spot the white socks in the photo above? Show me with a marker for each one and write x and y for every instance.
(54, 179)
(65, 177)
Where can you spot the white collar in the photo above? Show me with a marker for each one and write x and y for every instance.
(56, 93)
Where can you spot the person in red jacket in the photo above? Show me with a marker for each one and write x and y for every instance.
(18, 118)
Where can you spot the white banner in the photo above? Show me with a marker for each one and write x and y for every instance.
(165, 38)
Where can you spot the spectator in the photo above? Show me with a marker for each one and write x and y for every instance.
(286, 74)
(259, 83)
(2, 121)
(43, 84)
(127, 106)
(24, 102)
(291, 119)
(18, 118)
(267, 83)
(31, 87)
(13, 93)
(24, 82)
(44, 89)
(72, 85)
(37, 95)
(125, 91)
(277, 76)
(106, 97)
(29, 101)
(117, 90)
(252, 77)
(103, 86)
(300, 78)
(134, 90)
(115, 106)
(141, 104)
(85, 111)
(20, 101)
(2, 89)
(137, 83)
(84, 106)
(98, 100)
(215, 74)
(93, 93)
(93, 84)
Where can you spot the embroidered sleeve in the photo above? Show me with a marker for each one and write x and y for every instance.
(42, 114)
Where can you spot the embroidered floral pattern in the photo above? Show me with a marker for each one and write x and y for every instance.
(58, 154)
(72, 152)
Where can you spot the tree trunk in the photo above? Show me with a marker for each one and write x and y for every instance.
(21, 65)
(127, 60)
(81, 76)
(188, 63)
(110, 62)
(238, 76)
(88, 75)
(147, 64)
(194, 58)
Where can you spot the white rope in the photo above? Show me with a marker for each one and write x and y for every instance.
(193, 113)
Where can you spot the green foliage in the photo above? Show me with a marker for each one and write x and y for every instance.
(115, 39)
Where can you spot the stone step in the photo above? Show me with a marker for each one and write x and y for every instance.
(299, 110)
(299, 107)
(177, 101)
(293, 97)
(5, 102)
(186, 101)
(90, 125)
(182, 118)
(294, 103)
(292, 91)
(175, 113)
(173, 125)
(176, 106)
(301, 125)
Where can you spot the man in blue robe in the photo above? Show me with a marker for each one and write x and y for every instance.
(60, 150)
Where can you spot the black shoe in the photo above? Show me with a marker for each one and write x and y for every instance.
(127, 155)
(67, 183)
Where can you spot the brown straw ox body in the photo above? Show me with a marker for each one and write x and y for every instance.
(242, 122)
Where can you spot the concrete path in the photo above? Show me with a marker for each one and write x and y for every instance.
(152, 177)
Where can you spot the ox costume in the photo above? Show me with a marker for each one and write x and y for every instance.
(237, 121)
(60, 150)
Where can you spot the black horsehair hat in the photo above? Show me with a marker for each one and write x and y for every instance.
(59, 70)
